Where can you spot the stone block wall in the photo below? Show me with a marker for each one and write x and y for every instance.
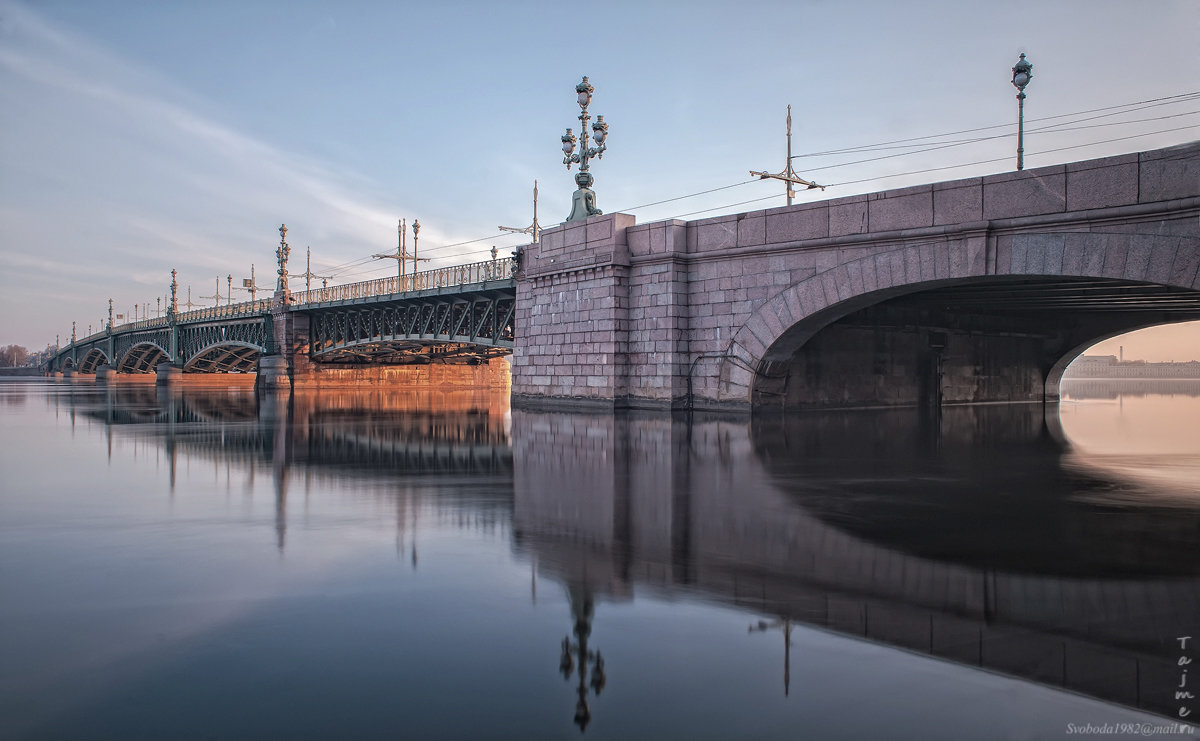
(572, 315)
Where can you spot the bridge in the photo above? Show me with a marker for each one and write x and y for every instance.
(453, 315)
(975, 290)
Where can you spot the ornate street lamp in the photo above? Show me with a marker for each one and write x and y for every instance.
(173, 309)
(416, 229)
(1022, 74)
(281, 254)
(583, 202)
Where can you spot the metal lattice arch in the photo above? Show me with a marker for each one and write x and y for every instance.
(227, 357)
(228, 347)
(142, 357)
(94, 358)
(465, 328)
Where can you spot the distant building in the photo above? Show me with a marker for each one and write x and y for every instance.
(1108, 366)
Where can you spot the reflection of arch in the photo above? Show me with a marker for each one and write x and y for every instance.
(143, 357)
(95, 357)
(225, 357)
(1111, 282)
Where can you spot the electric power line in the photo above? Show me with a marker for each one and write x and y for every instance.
(346, 269)
(1181, 97)
(1006, 158)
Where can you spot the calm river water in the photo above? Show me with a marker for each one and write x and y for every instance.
(424, 565)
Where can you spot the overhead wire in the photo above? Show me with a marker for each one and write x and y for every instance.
(1181, 97)
(936, 169)
(347, 269)
(963, 142)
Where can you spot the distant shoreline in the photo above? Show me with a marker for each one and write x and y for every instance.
(21, 371)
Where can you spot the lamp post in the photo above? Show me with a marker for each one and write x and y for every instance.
(281, 254)
(1022, 74)
(416, 228)
(173, 309)
(583, 202)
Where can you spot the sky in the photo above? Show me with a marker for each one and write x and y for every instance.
(139, 137)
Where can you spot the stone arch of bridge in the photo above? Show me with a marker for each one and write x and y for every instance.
(94, 358)
(143, 357)
(1128, 281)
(225, 357)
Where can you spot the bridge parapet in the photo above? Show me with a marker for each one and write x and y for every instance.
(257, 307)
(454, 275)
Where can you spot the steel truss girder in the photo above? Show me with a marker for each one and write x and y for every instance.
(142, 357)
(94, 358)
(228, 357)
(141, 351)
(459, 328)
(198, 339)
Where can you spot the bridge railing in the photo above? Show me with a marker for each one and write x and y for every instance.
(454, 275)
(228, 311)
(255, 307)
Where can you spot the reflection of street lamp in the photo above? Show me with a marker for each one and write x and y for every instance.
(581, 609)
(786, 624)
(1022, 74)
(583, 202)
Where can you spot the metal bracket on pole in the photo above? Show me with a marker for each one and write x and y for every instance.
(788, 175)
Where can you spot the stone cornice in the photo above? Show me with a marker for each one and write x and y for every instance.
(1180, 208)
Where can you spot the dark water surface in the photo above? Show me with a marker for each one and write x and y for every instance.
(421, 565)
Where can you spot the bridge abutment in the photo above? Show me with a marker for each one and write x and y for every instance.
(602, 312)
(573, 314)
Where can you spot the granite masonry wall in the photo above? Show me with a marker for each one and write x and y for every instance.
(616, 314)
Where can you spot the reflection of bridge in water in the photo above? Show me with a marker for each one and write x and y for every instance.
(394, 439)
(364, 437)
(934, 538)
(609, 505)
